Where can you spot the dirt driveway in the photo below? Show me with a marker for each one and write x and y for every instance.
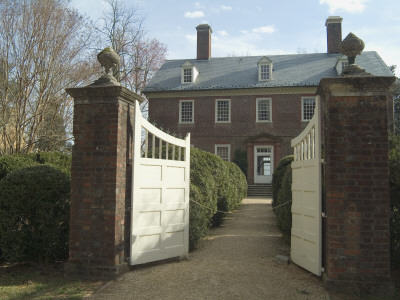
(238, 261)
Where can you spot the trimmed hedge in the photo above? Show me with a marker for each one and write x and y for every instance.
(34, 214)
(215, 185)
(277, 177)
(282, 193)
(31, 180)
(11, 163)
(284, 212)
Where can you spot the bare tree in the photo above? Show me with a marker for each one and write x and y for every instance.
(42, 46)
(122, 28)
(147, 58)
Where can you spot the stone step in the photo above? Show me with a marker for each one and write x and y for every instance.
(259, 190)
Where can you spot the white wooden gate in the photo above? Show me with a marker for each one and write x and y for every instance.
(306, 240)
(160, 197)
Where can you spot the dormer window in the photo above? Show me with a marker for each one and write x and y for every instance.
(264, 69)
(341, 64)
(189, 73)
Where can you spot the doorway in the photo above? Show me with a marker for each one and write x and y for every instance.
(263, 164)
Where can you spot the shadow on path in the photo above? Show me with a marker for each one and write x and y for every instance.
(237, 261)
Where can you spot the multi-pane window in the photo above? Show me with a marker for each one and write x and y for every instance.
(264, 110)
(223, 151)
(223, 110)
(187, 75)
(264, 72)
(307, 108)
(186, 111)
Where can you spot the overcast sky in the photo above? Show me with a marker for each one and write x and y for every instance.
(264, 27)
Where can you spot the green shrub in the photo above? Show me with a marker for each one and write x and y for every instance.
(284, 212)
(277, 177)
(10, 163)
(215, 185)
(58, 160)
(34, 214)
(394, 168)
(203, 196)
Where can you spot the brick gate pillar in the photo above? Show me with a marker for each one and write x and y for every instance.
(100, 179)
(357, 113)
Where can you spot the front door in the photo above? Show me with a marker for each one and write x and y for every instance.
(263, 164)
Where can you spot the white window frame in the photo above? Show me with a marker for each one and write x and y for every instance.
(228, 146)
(258, 100)
(188, 66)
(180, 112)
(264, 62)
(302, 107)
(187, 78)
(216, 111)
(261, 73)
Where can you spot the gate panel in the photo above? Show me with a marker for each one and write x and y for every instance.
(160, 198)
(306, 236)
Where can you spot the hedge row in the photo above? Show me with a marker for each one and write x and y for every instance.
(34, 206)
(282, 195)
(215, 185)
(34, 202)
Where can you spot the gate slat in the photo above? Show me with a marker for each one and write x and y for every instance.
(306, 236)
(160, 197)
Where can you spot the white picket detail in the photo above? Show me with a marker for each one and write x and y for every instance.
(160, 194)
(306, 239)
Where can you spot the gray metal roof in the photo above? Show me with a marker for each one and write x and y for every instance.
(242, 72)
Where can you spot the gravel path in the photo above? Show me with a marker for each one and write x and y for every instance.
(237, 261)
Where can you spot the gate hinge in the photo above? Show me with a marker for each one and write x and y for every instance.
(322, 270)
(324, 215)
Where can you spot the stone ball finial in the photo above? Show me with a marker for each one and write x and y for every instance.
(351, 46)
(108, 59)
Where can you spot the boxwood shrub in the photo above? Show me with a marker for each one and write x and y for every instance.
(34, 214)
(10, 163)
(215, 185)
(284, 212)
(277, 177)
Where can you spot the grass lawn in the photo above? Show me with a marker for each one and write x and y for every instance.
(27, 281)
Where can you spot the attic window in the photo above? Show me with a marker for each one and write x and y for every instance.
(264, 69)
(188, 73)
(264, 72)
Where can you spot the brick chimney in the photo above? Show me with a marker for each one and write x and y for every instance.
(334, 33)
(203, 41)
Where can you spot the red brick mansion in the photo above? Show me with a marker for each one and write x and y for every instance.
(255, 104)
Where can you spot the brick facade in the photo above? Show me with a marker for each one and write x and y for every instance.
(100, 181)
(243, 132)
(357, 243)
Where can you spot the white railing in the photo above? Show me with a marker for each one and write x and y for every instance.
(306, 239)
